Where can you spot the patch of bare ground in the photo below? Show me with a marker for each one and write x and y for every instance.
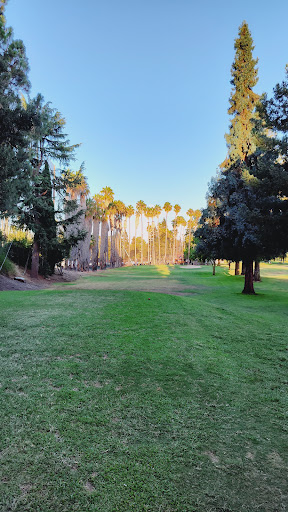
(160, 285)
(10, 284)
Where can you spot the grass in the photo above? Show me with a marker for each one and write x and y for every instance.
(120, 400)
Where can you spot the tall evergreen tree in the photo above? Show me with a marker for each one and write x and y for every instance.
(240, 139)
(15, 121)
(46, 141)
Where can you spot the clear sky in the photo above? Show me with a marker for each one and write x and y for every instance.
(144, 84)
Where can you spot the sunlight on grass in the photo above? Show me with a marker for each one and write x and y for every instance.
(163, 270)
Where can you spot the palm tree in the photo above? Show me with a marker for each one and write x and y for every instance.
(135, 238)
(194, 217)
(158, 210)
(112, 210)
(182, 223)
(129, 213)
(153, 214)
(141, 207)
(120, 213)
(106, 197)
(176, 209)
(189, 213)
(78, 190)
(167, 208)
(97, 215)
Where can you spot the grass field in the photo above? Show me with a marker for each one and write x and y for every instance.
(146, 389)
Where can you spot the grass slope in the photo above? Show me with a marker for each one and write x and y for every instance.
(120, 400)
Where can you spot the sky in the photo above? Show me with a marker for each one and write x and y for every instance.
(144, 85)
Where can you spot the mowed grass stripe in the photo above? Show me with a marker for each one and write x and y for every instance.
(126, 400)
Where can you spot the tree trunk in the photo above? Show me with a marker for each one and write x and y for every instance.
(141, 238)
(95, 249)
(236, 268)
(135, 248)
(159, 247)
(35, 260)
(104, 244)
(84, 245)
(257, 271)
(166, 240)
(243, 269)
(214, 266)
(248, 286)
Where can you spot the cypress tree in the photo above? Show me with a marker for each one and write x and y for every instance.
(240, 139)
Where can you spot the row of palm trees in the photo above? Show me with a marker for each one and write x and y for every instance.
(102, 214)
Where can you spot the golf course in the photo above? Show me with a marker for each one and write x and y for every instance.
(149, 388)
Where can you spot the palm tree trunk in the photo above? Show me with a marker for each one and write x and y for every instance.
(104, 244)
(189, 245)
(166, 231)
(95, 249)
(141, 238)
(129, 239)
(159, 247)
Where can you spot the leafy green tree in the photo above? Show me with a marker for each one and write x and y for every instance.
(207, 234)
(243, 222)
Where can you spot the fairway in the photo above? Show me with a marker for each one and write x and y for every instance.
(139, 389)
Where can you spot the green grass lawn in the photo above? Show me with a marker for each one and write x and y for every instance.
(119, 400)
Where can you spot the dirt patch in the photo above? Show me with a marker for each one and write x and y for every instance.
(159, 285)
(10, 284)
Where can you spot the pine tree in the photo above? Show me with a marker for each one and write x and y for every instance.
(15, 121)
(46, 141)
(243, 100)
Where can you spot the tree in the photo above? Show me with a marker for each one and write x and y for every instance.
(194, 216)
(106, 197)
(129, 213)
(47, 141)
(176, 209)
(157, 211)
(247, 223)
(240, 140)
(181, 222)
(235, 191)
(141, 207)
(15, 121)
(97, 213)
(208, 245)
(167, 208)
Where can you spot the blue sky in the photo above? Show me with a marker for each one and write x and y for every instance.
(144, 85)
